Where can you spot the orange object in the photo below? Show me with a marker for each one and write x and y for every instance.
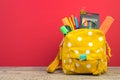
(72, 16)
(106, 24)
(65, 21)
(71, 23)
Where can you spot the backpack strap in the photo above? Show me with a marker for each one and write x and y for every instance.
(109, 55)
(55, 64)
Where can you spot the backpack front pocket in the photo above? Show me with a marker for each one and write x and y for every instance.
(88, 63)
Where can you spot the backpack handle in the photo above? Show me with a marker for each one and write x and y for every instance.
(55, 64)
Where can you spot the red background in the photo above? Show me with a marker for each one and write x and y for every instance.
(29, 29)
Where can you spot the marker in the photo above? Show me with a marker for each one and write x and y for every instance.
(68, 28)
(76, 22)
(63, 30)
(106, 24)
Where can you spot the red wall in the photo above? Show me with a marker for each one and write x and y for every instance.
(29, 29)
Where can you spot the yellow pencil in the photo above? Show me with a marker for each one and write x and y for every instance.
(72, 16)
(64, 22)
(67, 21)
(71, 23)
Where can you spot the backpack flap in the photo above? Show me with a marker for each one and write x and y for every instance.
(84, 51)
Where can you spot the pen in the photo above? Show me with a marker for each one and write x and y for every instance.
(76, 22)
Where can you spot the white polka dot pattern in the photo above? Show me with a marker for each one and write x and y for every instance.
(79, 38)
(89, 33)
(64, 61)
(88, 66)
(100, 38)
(90, 44)
(77, 65)
(69, 44)
(70, 60)
(76, 51)
(87, 51)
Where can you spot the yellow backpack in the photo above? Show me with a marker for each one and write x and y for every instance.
(83, 51)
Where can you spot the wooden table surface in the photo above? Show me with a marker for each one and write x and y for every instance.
(39, 73)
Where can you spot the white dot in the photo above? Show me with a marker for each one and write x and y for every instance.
(79, 38)
(87, 51)
(77, 65)
(90, 44)
(76, 51)
(98, 51)
(100, 38)
(69, 44)
(89, 33)
(88, 66)
(64, 61)
(70, 60)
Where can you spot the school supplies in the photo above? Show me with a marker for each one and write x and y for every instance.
(76, 22)
(85, 50)
(65, 21)
(72, 16)
(71, 23)
(89, 20)
(82, 11)
(106, 24)
(65, 29)
(68, 21)
(68, 28)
